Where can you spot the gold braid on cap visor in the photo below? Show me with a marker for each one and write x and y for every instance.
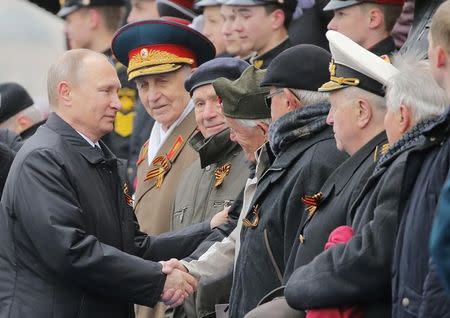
(341, 80)
(150, 61)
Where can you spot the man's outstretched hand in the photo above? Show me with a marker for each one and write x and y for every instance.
(179, 284)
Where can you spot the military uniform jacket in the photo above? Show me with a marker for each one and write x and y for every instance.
(337, 195)
(153, 204)
(300, 169)
(71, 246)
(384, 47)
(262, 61)
(358, 272)
(212, 182)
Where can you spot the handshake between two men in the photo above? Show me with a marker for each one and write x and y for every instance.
(179, 283)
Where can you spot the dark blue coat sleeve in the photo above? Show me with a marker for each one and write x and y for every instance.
(440, 237)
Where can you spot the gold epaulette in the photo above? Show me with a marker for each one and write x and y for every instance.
(380, 151)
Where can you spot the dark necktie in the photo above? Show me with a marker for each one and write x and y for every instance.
(99, 151)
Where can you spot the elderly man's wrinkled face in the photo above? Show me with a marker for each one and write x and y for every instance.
(249, 138)
(208, 112)
(343, 117)
(142, 10)
(164, 96)
(94, 99)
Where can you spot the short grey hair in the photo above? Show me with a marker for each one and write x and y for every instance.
(309, 98)
(251, 123)
(378, 102)
(415, 87)
(66, 68)
(32, 112)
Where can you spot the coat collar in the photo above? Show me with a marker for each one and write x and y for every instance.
(287, 157)
(384, 47)
(70, 135)
(262, 61)
(31, 130)
(215, 148)
(440, 129)
(342, 175)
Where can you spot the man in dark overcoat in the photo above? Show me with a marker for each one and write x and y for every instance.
(71, 244)
(417, 290)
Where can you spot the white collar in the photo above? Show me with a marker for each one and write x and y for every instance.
(158, 135)
(93, 144)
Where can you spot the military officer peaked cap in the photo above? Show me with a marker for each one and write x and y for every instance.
(228, 67)
(176, 8)
(206, 3)
(69, 6)
(243, 98)
(303, 66)
(339, 4)
(254, 2)
(13, 99)
(159, 46)
(352, 65)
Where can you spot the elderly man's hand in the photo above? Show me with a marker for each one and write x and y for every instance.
(219, 218)
(178, 286)
(170, 265)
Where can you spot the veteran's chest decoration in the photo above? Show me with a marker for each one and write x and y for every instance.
(143, 154)
(380, 151)
(312, 202)
(128, 198)
(162, 163)
(220, 173)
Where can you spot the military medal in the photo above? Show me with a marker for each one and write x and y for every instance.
(128, 197)
(220, 174)
(258, 64)
(252, 224)
(143, 154)
(312, 202)
(163, 163)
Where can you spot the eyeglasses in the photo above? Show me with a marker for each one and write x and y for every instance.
(268, 98)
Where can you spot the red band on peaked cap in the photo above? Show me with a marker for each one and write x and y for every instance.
(184, 3)
(175, 49)
(177, 20)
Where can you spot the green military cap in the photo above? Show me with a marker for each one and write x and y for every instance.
(243, 98)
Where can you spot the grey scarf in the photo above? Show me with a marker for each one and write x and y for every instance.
(298, 124)
(409, 139)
